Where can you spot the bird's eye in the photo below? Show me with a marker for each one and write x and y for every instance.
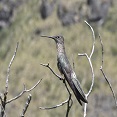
(57, 37)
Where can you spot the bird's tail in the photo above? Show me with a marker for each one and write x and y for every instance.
(76, 88)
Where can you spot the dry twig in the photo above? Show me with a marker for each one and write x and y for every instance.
(24, 91)
(48, 66)
(68, 101)
(101, 69)
(26, 105)
(3, 101)
(8, 70)
(91, 66)
(56, 106)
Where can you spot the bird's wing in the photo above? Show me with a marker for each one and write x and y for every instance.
(71, 76)
(72, 85)
(78, 86)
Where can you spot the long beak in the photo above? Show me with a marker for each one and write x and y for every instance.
(47, 36)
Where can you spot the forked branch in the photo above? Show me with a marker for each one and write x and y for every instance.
(69, 101)
(48, 66)
(24, 91)
(3, 99)
(91, 66)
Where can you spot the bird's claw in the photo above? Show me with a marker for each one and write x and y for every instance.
(63, 80)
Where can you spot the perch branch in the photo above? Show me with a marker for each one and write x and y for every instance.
(68, 101)
(48, 66)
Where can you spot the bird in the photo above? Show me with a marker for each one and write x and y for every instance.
(66, 69)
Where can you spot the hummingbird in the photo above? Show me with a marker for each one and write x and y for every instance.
(66, 70)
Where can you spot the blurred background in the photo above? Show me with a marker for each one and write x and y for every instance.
(24, 21)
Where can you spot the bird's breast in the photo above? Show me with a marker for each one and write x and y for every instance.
(64, 63)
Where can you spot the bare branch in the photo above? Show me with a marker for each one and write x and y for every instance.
(8, 70)
(26, 105)
(56, 106)
(68, 101)
(2, 113)
(89, 59)
(92, 71)
(24, 91)
(48, 66)
(101, 69)
(4, 99)
(102, 49)
(109, 85)
(93, 47)
(91, 66)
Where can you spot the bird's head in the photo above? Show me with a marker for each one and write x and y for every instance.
(58, 39)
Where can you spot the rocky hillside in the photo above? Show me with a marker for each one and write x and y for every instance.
(23, 21)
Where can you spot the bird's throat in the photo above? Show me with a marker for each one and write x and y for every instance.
(60, 48)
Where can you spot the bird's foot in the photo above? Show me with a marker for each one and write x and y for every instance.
(63, 80)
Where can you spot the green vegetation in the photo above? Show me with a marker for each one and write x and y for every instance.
(34, 50)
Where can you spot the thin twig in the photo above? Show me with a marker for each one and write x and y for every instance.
(109, 86)
(3, 101)
(101, 68)
(48, 66)
(24, 91)
(93, 34)
(89, 59)
(8, 70)
(61, 104)
(68, 101)
(56, 106)
(69, 105)
(91, 66)
(102, 49)
(26, 105)
(92, 71)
